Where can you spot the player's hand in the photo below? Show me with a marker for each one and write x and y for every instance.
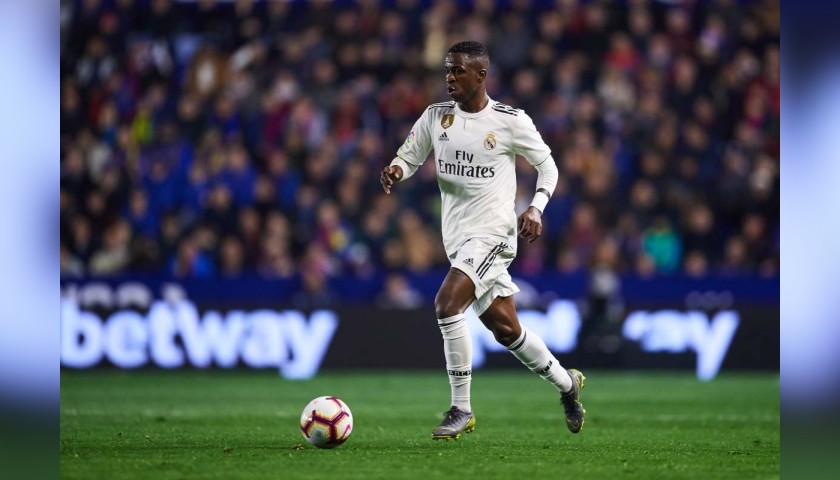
(390, 174)
(530, 224)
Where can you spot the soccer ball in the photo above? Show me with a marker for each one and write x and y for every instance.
(326, 422)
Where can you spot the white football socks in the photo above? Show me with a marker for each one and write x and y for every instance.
(531, 350)
(457, 345)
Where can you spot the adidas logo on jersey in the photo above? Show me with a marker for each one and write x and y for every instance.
(443, 138)
(469, 261)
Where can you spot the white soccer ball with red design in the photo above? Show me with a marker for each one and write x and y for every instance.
(326, 422)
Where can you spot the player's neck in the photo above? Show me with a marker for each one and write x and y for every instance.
(475, 104)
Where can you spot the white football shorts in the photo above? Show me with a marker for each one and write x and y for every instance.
(485, 260)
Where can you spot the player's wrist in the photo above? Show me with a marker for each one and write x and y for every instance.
(540, 201)
(401, 166)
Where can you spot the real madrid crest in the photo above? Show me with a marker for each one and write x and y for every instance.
(490, 141)
(447, 120)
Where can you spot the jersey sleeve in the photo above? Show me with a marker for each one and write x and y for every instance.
(418, 143)
(527, 140)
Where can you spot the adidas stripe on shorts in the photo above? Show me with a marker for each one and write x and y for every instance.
(485, 260)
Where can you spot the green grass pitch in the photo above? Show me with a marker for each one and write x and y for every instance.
(244, 424)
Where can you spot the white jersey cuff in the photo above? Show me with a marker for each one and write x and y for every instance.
(407, 168)
(540, 201)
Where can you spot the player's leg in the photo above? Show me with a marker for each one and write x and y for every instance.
(501, 319)
(455, 295)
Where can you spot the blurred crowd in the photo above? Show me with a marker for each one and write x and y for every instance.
(221, 139)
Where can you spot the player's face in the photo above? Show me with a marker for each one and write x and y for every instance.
(463, 77)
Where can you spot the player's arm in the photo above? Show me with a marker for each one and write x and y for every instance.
(547, 175)
(410, 155)
(530, 222)
(529, 144)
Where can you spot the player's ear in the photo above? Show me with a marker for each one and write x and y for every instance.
(482, 74)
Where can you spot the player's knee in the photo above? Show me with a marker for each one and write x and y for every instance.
(504, 334)
(446, 310)
(445, 307)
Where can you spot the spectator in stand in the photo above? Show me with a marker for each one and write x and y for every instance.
(190, 261)
(736, 258)
(231, 258)
(397, 293)
(663, 245)
(114, 256)
(696, 265)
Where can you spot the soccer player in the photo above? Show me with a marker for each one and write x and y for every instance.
(475, 140)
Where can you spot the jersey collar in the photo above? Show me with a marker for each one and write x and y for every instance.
(477, 114)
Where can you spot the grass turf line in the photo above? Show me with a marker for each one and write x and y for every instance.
(244, 424)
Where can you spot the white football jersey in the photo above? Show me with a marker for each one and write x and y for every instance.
(475, 163)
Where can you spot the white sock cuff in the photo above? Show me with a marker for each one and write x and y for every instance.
(452, 323)
(452, 319)
(517, 344)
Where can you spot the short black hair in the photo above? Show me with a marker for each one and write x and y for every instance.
(472, 49)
